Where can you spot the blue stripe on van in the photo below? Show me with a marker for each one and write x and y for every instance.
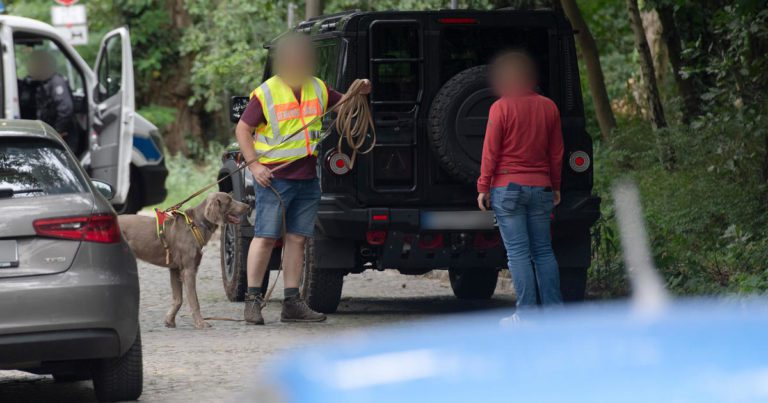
(147, 147)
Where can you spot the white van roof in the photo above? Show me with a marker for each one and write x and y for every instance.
(28, 23)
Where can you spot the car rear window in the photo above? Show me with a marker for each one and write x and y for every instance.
(34, 168)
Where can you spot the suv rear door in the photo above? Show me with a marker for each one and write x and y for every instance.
(395, 64)
(113, 113)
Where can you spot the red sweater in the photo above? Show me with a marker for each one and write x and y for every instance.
(523, 143)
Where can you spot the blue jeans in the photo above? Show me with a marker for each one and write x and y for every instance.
(301, 199)
(523, 214)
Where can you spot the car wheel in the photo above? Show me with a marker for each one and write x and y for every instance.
(121, 378)
(457, 120)
(234, 258)
(473, 283)
(321, 288)
(573, 283)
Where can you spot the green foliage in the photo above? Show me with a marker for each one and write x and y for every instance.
(161, 116)
(187, 175)
(706, 218)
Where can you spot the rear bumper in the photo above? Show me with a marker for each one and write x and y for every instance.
(337, 221)
(91, 309)
(153, 182)
(63, 345)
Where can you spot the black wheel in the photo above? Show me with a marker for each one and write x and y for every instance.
(134, 200)
(473, 283)
(573, 283)
(121, 378)
(234, 258)
(320, 287)
(457, 121)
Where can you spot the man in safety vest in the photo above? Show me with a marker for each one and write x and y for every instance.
(279, 107)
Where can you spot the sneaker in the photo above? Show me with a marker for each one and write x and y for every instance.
(296, 310)
(252, 314)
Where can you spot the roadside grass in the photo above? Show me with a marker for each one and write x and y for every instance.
(187, 175)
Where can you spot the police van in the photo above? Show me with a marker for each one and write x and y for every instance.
(118, 146)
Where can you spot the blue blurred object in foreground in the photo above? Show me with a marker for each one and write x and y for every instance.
(691, 351)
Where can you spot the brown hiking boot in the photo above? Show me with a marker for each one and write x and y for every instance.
(296, 310)
(252, 314)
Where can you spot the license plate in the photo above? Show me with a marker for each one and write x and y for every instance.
(9, 254)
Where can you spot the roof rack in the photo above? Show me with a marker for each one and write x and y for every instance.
(326, 22)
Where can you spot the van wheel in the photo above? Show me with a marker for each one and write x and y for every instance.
(234, 257)
(473, 283)
(573, 283)
(457, 120)
(321, 288)
(121, 378)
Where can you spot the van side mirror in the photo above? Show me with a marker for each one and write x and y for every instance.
(104, 188)
(237, 106)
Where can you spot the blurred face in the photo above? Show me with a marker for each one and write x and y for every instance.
(294, 60)
(513, 74)
(41, 65)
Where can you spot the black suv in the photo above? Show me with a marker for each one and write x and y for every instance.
(411, 204)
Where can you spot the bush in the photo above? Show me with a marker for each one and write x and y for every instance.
(706, 215)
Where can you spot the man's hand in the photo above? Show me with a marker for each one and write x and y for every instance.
(261, 174)
(365, 89)
(483, 201)
(556, 197)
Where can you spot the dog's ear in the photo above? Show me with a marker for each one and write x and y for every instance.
(214, 209)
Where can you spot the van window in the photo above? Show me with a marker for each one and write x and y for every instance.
(327, 61)
(110, 68)
(29, 51)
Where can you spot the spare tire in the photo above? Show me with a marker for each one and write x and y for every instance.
(457, 121)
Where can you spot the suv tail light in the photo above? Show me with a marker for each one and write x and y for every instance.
(338, 163)
(457, 20)
(579, 161)
(376, 237)
(102, 228)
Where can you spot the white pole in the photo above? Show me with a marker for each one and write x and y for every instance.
(454, 4)
(291, 14)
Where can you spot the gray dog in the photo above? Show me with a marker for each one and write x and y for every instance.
(184, 247)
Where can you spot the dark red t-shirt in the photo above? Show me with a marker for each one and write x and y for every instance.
(305, 168)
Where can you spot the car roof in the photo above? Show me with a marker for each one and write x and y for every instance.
(28, 128)
(692, 350)
(24, 22)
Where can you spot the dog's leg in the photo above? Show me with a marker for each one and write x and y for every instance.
(170, 317)
(190, 278)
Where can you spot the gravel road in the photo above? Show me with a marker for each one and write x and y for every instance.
(212, 365)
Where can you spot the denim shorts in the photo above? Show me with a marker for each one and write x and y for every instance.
(301, 199)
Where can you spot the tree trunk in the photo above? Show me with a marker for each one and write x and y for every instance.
(646, 65)
(591, 57)
(314, 8)
(685, 87)
(177, 91)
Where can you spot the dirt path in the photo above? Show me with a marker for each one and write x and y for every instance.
(185, 364)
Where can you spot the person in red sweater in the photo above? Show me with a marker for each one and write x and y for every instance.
(520, 176)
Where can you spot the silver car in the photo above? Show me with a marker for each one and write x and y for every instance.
(69, 289)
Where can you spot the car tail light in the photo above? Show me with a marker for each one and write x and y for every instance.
(376, 237)
(338, 163)
(430, 241)
(457, 20)
(102, 228)
(485, 240)
(579, 161)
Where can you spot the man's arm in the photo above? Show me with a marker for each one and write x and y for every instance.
(494, 133)
(252, 117)
(555, 153)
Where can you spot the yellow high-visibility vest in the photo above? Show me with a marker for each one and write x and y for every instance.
(285, 115)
